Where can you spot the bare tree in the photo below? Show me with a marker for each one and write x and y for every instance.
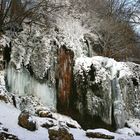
(116, 32)
(13, 12)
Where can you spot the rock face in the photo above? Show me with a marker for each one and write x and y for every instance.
(57, 66)
(64, 77)
(26, 121)
(93, 87)
(107, 89)
(130, 90)
(94, 98)
(60, 134)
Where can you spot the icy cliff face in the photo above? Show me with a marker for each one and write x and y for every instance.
(31, 67)
(42, 62)
(42, 65)
(46, 58)
(21, 83)
(130, 89)
(106, 86)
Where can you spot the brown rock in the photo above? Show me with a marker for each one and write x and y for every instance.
(3, 98)
(99, 135)
(60, 134)
(45, 114)
(25, 120)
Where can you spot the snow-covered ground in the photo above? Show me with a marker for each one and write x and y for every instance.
(9, 118)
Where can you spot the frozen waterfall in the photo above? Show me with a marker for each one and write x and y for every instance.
(21, 83)
(118, 104)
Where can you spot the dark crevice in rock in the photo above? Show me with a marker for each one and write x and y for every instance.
(90, 122)
(135, 82)
(7, 54)
(92, 73)
(29, 68)
(45, 78)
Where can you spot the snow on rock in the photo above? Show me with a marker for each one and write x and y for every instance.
(17, 55)
(72, 33)
(130, 91)
(126, 131)
(2, 78)
(34, 56)
(8, 112)
(57, 119)
(4, 41)
(33, 47)
(49, 123)
(3, 92)
(101, 81)
(104, 66)
(101, 133)
(32, 65)
(66, 120)
(117, 136)
(134, 124)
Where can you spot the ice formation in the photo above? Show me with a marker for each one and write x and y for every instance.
(21, 83)
(103, 84)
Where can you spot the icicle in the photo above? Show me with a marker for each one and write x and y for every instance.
(20, 82)
(118, 104)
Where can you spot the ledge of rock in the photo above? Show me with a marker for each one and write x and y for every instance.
(134, 124)
(97, 134)
(56, 133)
(126, 131)
(26, 121)
(6, 136)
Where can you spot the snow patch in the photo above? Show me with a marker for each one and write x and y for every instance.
(126, 131)
(134, 124)
(104, 66)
